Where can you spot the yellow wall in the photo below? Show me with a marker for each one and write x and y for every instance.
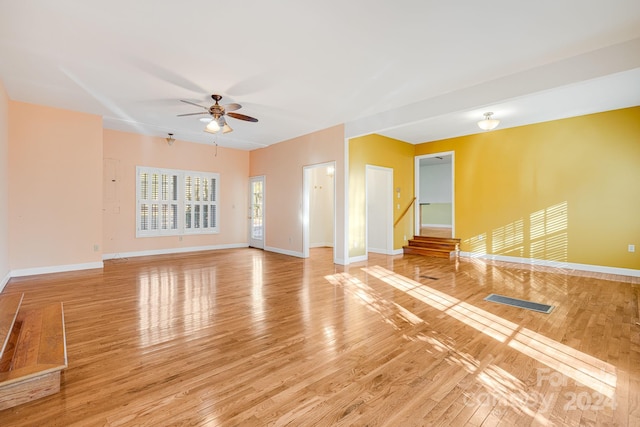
(378, 150)
(566, 190)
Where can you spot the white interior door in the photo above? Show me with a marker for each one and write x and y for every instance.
(256, 211)
(379, 210)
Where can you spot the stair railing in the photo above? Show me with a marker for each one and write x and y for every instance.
(404, 212)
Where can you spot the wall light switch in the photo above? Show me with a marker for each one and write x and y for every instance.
(632, 248)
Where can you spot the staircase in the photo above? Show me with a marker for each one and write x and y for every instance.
(440, 247)
(32, 351)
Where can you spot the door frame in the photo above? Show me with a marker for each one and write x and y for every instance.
(306, 191)
(418, 220)
(388, 201)
(262, 178)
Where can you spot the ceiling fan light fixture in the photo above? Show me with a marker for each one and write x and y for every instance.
(488, 123)
(216, 120)
(212, 127)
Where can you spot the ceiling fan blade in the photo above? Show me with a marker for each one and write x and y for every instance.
(193, 114)
(242, 117)
(193, 103)
(232, 107)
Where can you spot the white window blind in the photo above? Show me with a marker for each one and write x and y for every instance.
(172, 202)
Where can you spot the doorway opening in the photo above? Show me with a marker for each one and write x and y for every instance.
(318, 207)
(435, 195)
(256, 211)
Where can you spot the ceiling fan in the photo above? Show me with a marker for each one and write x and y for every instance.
(218, 113)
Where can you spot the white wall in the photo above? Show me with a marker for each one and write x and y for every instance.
(435, 184)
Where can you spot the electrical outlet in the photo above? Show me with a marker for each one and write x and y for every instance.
(632, 248)
(96, 248)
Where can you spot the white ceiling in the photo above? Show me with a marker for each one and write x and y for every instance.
(415, 70)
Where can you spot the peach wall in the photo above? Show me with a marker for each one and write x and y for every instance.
(124, 151)
(55, 188)
(282, 164)
(4, 187)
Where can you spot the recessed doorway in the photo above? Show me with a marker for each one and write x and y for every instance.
(434, 183)
(319, 214)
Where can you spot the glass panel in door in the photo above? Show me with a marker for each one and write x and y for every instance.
(256, 215)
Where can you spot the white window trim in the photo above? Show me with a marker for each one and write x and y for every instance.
(180, 201)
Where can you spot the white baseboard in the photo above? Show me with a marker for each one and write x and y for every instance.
(557, 264)
(436, 225)
(378, 251)
(385, 252)
(55, 269)
(321, 245)
(4, 281)
(358, 259)
(170, 251)
(284, 251)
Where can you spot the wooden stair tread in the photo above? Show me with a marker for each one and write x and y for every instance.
(440, 247)
(27, 373)
(440, 253)
(9, 307)
(453, 240)
(424, 244)
(41, 339)
(39, 354)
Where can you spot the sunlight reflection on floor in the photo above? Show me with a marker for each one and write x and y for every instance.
(504, 387)
(590, 371)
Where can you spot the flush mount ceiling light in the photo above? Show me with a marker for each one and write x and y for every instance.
(488, 123)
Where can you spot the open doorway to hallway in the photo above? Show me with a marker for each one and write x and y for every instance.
(318, 208)
(435, 207)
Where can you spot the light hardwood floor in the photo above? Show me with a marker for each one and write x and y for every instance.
(252, 338)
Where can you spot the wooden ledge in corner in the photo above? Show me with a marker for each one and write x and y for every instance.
(39, 354)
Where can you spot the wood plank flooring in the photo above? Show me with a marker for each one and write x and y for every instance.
(245, 337)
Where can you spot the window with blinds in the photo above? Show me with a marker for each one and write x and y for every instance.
(171, 202)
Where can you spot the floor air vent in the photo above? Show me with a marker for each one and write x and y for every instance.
(529, 305)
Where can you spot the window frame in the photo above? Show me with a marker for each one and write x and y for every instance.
(166, 201)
